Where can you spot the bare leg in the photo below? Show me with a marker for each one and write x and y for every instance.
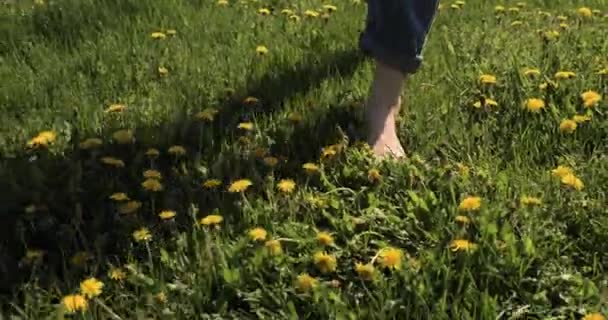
(382, 108)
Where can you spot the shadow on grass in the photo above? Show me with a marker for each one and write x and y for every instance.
(65, 28)
(59, 204)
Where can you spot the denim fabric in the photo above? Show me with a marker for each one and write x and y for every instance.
(396, 31)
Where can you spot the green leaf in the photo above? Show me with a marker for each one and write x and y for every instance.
(419, 202)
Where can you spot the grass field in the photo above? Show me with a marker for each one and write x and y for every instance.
(194, 159)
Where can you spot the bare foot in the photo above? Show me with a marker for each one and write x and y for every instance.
(382, 108)
(383, 137)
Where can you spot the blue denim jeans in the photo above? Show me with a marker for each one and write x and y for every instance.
(396, 31)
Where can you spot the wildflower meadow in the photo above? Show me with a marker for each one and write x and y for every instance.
(204, 159)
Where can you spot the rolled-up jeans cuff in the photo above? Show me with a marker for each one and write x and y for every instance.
(396, 32)
(407, 64)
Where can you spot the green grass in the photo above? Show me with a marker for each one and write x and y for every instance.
(64, 62)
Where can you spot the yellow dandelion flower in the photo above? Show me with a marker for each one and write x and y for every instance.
(91, 287)
(129, 207)
(516, 23)
(463, 220)
(535, 104)
(162, 71)
(365, 271)
(328, 153)
(551, 34)
(573, 181)
(325, 238)
(119, 196)
(530, 201)
(562, 171)
(90, 143)
(287, 12)
(522, 4)
(459, 3)
(286, 185)
(261, 50)
(114, 162)
(532, 72)
(603, 72)
(311, 13)
(248, 126)
(470, 204)
(487, 102)
(567, 126)
(325, 262)
(305, 282)
(462, 245)
(142, 235)
(584, 12)
(211, 220)
(152, 153)
(249, 101)
(562, 18)
(373, 175)
(43, 139)
(294, 18)
(581, 118)
(117, 274)
(171, 32)
(152, 174)
(264, 11)
(310, 168)
(594, 316)
(177, 150)
(152, 185)
(274, 247)
(211, 183)
(563, 75)
(487, 79)
(207, 115)
(158, 35)
(222, 3)
(330, 8)
(74, 303)
(391, 258)
(240, 185)
(271, 161)
(549, 85)
(513, 9)
(160, 297)
(545, 14)
(499, 9)
(455, 7)
(167, 214)
(490, 102)
(124, 136)
(115, 108)
(564, 25)
(591, 98)
(258, 234)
